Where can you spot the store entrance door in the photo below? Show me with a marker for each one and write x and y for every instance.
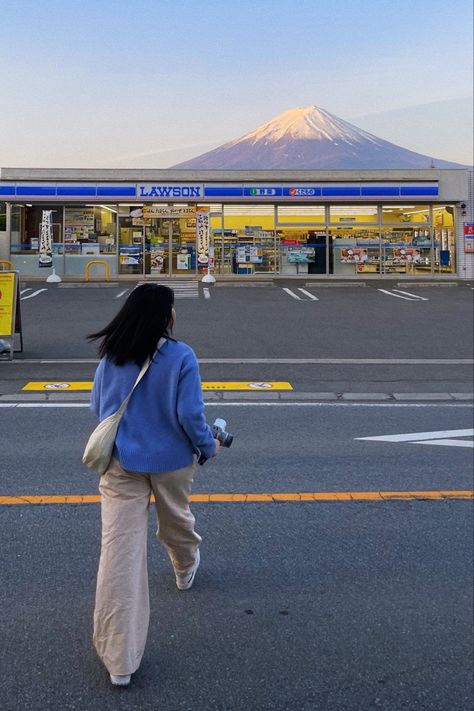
(170, 246)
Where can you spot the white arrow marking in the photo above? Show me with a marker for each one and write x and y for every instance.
(122, 293)
(30, 296)
(23, 291)
(449, 442)
(416, 436)
(207, 293)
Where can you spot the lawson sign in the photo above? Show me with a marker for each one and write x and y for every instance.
(165, 191)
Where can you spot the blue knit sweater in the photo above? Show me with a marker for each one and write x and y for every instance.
(164, 423)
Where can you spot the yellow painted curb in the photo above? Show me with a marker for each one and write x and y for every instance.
(69, 385)
(249, 498)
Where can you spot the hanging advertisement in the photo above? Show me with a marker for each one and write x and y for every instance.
(45, 258)
(203, 232)
(78, 224)
(168, 211)
(469, 238)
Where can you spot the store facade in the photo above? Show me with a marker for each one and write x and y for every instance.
(351, 224)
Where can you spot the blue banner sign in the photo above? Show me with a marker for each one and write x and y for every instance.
(248, 192)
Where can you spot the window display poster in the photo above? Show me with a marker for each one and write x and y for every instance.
(304, 255)
(157, 256)
(353, 255)
(183, 260)
(203, 231)
(78, 223)
(406, 255)
(249, 254)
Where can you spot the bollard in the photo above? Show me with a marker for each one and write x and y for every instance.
(9, 266)
(97, 261)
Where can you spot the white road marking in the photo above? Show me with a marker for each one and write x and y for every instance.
(307, 293)
(407, 293)
(449, 442)
(416, 436)
(23, 291)
(207, 293)
(295, 296)
(182, 289)
(30, 296)
(122, 293)
(398, 296)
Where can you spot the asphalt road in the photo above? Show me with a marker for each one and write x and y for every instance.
(337, 605)
(298, 606)
(266, 323)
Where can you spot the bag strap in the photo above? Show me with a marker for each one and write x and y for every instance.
(140, 375)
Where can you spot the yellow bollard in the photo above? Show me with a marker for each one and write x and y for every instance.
(97, 261)
(9, 266)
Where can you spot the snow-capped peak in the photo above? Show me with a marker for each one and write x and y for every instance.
(308, 124)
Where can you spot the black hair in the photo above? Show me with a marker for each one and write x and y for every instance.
(133, 335)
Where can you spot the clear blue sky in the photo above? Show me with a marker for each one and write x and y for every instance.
(94, 82)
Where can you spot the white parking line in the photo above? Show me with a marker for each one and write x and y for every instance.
(295, 296)
(407, 293)
(311, 296)
(122, 293)
(207, 293)
(398, 296)
(30, 296)
(23, 291)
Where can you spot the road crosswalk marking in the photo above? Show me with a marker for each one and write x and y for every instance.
(182, 289)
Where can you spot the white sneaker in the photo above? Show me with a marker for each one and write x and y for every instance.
(184, 582)
(120, 680)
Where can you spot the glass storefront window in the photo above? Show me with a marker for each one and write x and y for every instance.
(301, 236)
(352, 214)
(354, 251)
(3, 216)
(444, 239)
(406, 250)
(396, 214)
(248, 242)
(90, 230)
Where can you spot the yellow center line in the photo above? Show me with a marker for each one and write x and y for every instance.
(438, 495)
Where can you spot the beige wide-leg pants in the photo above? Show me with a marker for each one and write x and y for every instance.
(122, 608)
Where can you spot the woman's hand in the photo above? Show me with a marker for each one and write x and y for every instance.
(218, 446)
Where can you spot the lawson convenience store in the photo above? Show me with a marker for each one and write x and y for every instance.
(351, 224)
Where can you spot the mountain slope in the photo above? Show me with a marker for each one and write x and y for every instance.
(310, 138)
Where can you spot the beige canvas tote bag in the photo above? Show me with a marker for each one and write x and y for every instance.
(100, 445)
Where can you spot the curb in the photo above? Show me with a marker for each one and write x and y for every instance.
(283, 396)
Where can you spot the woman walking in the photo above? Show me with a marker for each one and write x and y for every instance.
(160, 433)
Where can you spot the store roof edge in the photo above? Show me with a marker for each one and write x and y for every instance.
(180, 175)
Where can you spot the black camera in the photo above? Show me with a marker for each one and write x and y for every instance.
(219, 433)
(218, 430)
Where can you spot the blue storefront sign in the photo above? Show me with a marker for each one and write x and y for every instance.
(248, 192)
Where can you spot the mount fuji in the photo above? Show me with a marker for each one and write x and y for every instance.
(311, 138)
